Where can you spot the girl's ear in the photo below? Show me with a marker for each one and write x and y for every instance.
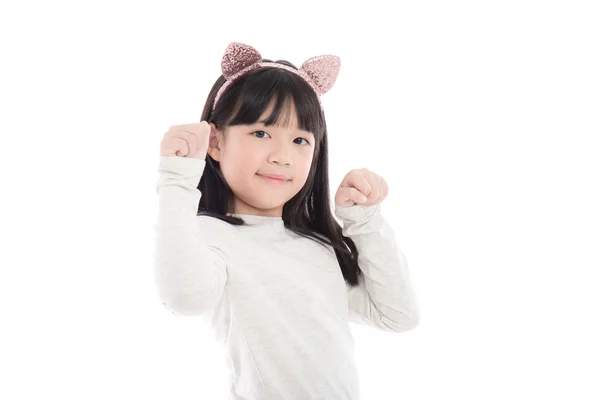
(214, 143)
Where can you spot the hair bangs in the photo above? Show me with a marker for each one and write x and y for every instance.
(283, 90)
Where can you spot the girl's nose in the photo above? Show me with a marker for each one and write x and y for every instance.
(281, 156)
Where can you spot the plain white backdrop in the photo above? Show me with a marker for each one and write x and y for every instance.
(483, 117)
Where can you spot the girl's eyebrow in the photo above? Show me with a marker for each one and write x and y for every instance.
(300, 131)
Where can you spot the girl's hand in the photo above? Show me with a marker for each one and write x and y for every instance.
(188, 140)
(357, 183)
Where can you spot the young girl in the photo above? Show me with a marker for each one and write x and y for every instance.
(246, 238)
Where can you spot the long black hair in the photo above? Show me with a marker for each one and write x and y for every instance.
(308, 213)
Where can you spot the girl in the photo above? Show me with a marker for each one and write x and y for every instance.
(246, 239)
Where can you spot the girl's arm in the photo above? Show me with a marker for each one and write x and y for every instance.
(385, 298)
(189, 274)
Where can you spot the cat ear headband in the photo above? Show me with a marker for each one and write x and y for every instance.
(239, 58)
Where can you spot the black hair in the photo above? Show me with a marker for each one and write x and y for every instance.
(308, 213)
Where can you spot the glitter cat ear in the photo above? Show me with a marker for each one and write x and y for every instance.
(237, 57)
(322, 70)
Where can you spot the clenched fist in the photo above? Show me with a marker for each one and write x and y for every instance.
(361, 186)
(188, 140)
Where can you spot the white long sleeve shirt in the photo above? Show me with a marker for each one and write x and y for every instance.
(277, 301)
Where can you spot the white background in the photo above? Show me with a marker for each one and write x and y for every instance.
(482, 116)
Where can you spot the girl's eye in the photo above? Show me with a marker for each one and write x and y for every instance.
(260, 137)
(260, 132)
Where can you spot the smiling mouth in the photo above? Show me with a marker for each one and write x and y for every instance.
(273, 180)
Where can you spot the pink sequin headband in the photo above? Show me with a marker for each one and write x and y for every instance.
(239, 58)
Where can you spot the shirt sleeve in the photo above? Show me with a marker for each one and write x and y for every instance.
(385, 298)
(190, 275)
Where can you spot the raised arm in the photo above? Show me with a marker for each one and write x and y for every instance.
(385, 298)
(190, 274)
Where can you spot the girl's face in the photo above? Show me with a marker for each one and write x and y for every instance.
(249, 151)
